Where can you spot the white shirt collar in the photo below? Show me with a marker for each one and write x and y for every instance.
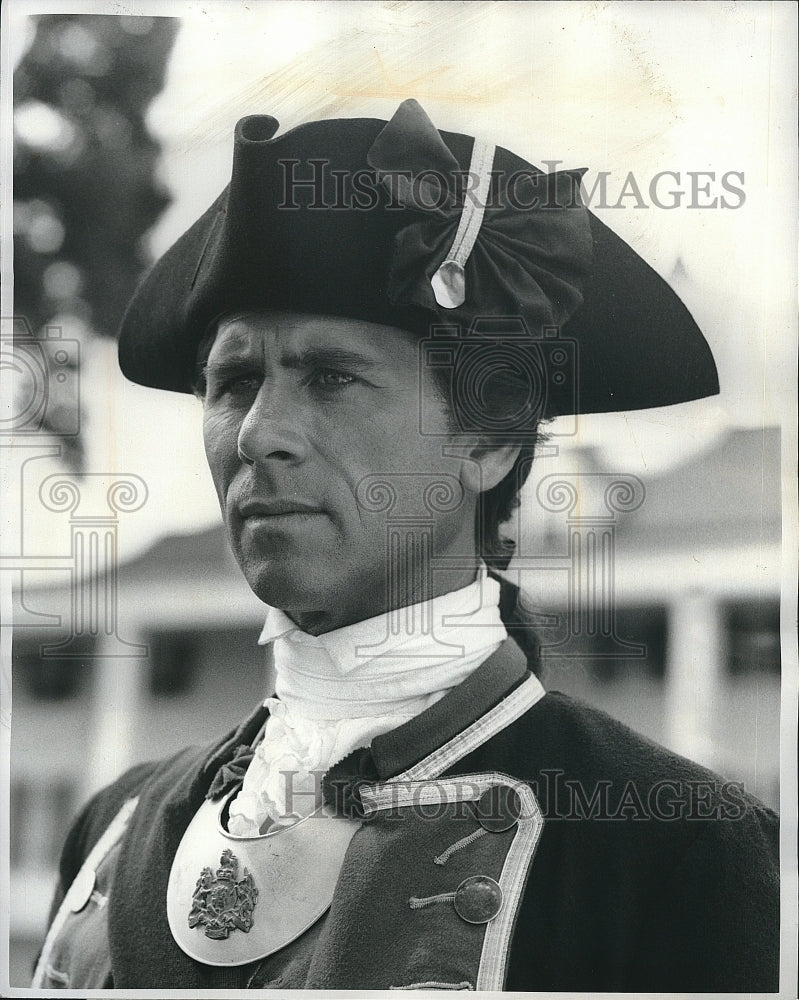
(472, 606)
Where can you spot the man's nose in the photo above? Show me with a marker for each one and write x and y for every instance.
(270, 431)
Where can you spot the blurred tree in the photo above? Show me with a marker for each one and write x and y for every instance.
(85, 185)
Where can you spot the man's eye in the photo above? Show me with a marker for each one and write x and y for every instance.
(235, 385)
(329, 379)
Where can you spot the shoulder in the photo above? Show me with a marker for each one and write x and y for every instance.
(601, 783)
(165, 789)
(98, 813)
(592, 741)
(153, 783)
(561, 734)
(644, 849)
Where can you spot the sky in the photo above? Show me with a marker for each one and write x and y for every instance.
(619, 88)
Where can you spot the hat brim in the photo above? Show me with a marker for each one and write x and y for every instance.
(635, 343)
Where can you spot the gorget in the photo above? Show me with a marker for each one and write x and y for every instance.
(234, 900)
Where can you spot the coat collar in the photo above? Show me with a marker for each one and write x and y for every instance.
(403, 747)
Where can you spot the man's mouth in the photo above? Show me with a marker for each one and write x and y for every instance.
(255, 509)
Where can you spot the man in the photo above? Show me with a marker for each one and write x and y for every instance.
(377, 316)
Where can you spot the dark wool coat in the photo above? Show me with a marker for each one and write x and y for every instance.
(635, 869)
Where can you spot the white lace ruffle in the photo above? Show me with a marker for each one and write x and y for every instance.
(283, 781)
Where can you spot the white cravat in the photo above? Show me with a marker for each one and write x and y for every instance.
(339, 690)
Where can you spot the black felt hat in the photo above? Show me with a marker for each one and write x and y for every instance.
(398, 223)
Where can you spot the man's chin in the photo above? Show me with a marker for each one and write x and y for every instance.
(289, 586)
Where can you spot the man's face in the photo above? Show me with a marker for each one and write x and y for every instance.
(299, 411)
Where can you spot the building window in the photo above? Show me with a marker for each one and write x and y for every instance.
(173, 663)
(609, 659)
(639, 626)
(52, 678)
(39, 815)
(753, 637)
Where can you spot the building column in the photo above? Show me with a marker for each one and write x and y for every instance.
(118, 710)
(694, 674)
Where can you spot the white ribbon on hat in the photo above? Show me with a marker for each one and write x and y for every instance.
(449, 281)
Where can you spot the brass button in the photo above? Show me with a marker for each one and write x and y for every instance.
(499, 808)
(80, 892)
(478, 899)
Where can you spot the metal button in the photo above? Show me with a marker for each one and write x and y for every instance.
(499, 808)
(478, 899)
(80, 892)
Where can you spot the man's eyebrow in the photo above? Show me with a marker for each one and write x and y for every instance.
(233, 364)
(327, 357)
(220, 368)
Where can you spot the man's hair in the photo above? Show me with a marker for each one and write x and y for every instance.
(496, 505)
(201, 360)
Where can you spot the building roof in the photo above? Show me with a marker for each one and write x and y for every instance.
(184, 555)
(727, 496)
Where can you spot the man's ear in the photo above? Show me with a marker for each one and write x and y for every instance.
(487, 464)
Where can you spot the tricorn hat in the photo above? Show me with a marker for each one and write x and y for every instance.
(398, 223)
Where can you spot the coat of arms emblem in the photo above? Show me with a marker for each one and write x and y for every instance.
(223, 902)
